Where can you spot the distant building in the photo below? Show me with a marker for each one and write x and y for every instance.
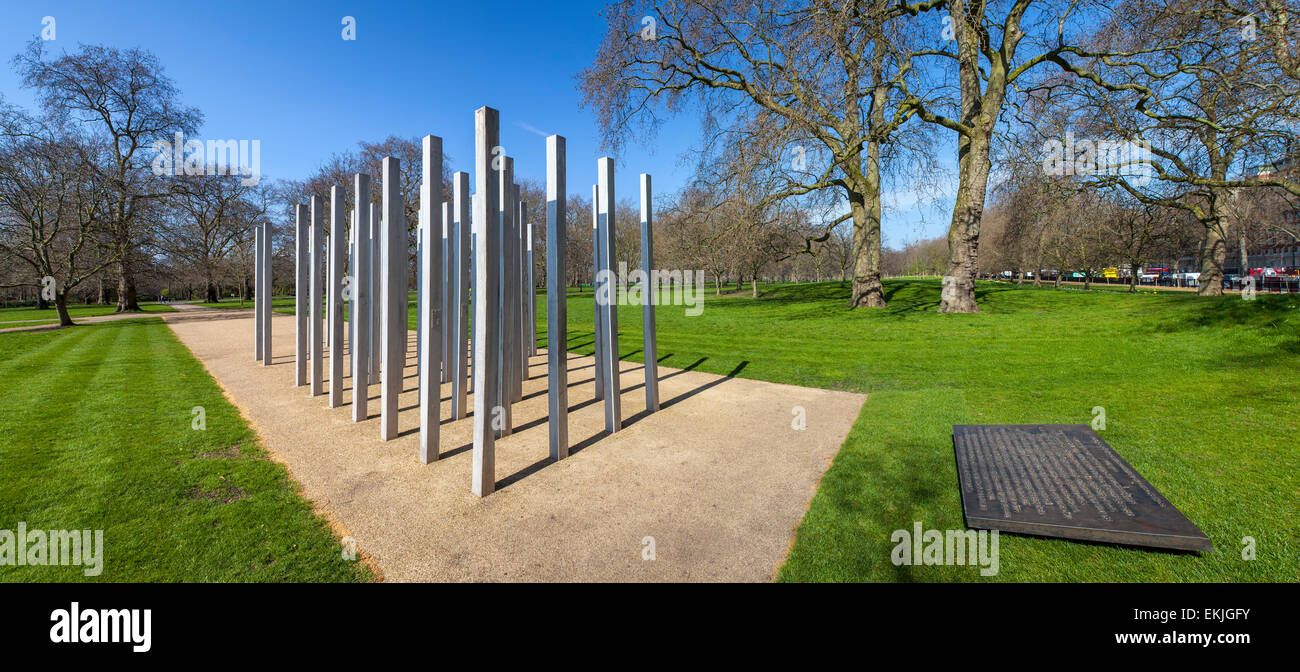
(1269, 245)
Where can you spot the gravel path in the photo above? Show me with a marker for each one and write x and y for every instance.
(718, 478)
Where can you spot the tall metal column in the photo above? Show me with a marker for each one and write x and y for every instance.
(506, 359)
(649, 296)
(607, 295)
(258, 290)
(486, 262)
(360, 314)
(393, 318)
(376, 290)
(557, 347)
(530, 282)
(517, 281)
(431, 285)
(317, 285)
(448, 267)
(301, 291)
(459, 360)
(337, 252)
(597, 317)
(419, 286)
(266, 304)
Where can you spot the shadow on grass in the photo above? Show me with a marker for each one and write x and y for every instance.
(1266, 311)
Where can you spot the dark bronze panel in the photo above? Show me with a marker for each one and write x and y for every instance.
(1063, 481)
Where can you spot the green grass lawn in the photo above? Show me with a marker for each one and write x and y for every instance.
(31, 315)
(96, 433)
(1201, 397)
(1199, 393)
(28, 323)
(290, 308)
(276, 302)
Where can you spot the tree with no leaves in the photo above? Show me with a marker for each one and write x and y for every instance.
(989, 44)
(53, 207)
(1139, 233)
(1188, 81)
(809, 85)
(210, 215)
(123, 96)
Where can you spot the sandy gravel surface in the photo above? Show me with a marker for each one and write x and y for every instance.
(718, 478)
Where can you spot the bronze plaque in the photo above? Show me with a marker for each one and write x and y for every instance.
(1063, 481)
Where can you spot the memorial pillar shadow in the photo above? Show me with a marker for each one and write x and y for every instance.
(707, 386)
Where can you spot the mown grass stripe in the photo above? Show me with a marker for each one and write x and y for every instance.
(122, 457)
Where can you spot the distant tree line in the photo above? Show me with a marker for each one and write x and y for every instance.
(828, 102)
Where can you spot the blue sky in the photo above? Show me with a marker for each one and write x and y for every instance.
(279, 72)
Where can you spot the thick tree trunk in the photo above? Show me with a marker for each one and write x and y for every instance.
(867, 289)
(754, 286)
(126, 298)
(103, 293)
(61, 304)
(211, 295)
(1214, 253)
(958, 295)
(865, 207)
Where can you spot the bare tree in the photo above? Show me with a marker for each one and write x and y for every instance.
(368, 158)
(1183, 79)
(209, 219)
(808, 90)
(124, 96)
(53, 207)
(1139, 232)
(986, 42)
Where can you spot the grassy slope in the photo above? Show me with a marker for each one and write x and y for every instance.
(1200, 397)
(95, 432)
